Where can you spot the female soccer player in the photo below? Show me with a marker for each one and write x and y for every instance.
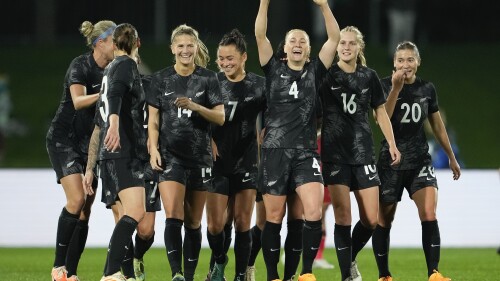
(119, 143)
(349, 92)
(289, 158)
(68, 140)
(410, 101)
(235, 166)
(186, 99)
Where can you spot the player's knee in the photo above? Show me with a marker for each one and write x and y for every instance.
(215, 227)
(145, 231)
(75, 205)
(428, 215)
(242, 223)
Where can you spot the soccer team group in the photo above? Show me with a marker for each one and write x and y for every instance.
(195, 140)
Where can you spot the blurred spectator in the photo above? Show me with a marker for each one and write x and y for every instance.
(5, 109)
(401, 16)
(439, 157)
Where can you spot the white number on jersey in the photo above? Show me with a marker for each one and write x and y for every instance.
(316, 165)
(427, 170)
(293, 90)
(104, 108)
(349, 106)
(233, 109)
(205, 171)
(145, 111)
(370, 169)
(416, 112)
(181, 111)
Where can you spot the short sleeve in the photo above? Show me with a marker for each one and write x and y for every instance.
(214, 93)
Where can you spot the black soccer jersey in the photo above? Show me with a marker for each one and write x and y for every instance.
(237, 139)
(290, 119)
(185, 134)
(415, 103)
(346, 136)
(122, 88)
(67, 122)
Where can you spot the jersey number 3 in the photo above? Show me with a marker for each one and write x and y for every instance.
(104, 108)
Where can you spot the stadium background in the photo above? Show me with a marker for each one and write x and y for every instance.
(459, 43)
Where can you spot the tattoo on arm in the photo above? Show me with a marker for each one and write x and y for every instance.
(93, 148)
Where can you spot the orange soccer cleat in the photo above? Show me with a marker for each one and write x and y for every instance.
(436, 276)
(59, 273)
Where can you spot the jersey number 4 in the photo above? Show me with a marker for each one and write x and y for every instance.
(294, 91)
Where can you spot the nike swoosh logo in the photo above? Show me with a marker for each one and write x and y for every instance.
(364, 90)
(169, 252)
(433, 246)
(333, 173)
(381, 255)
(303, 75)
(296, 250)
(70, 164)
(199, 94)
(335, 88)
(429, 179)
(96, 85)
(62, 245)
(317, 174)
(274, 250)
(152, 201)
(168, 94)
(399, 98)
(205, 181)
(370, 178)
(245, 180)
(284, 76)
(314, 249)
(340, 249)
(192, 259)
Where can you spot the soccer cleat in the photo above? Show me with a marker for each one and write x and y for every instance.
(355, 274)
(250, 274)
(139, 270)
(178, 277)
(59, 273)
(118, 276)
(217, 273)
(73, 278)
(387, 278)
(307, 277)
(323, 264)
(436, 276)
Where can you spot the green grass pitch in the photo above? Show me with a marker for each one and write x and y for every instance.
(470, 264)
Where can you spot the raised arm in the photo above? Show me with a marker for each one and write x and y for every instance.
(441, 135)
(398, 80)
(263, 44)
(327, 52)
